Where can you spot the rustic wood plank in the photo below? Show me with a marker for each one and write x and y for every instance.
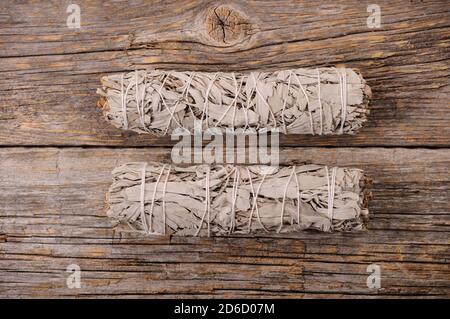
(52, 215)
(50, 72)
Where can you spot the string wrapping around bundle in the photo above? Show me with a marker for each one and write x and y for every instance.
(322, 101)
(219, 200)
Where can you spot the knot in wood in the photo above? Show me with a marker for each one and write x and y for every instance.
(226, 26)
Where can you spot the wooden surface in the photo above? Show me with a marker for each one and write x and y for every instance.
(56, 151)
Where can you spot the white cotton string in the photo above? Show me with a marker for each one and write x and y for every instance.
(139, 107)
(130, 84)
(255, 204)
(264, 100)
(153, 198)
(307, 103)
(190, 80)
(152, 95)
(166, 106)
(338, 73)
(284, 200)
(186, 97)
(331, 190)
(166, 76)
(142, 197)
(133, 228)
(123, 102)
(234, 194)
(164, 200)
(343, 90)
(163, 100)
(285, 101)
(207, 208)
(248, 99)
(206, 103)
(298, 194)
(233, 103)
(183, 94)
(143, 103)
(244, 108)
(136, 93)
(140, 103)
(320, 101)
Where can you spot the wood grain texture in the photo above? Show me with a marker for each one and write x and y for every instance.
(50, 72)
(52, 215)
(52, 198)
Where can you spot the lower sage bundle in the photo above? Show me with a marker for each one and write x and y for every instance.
(322, 101)
(219, 200)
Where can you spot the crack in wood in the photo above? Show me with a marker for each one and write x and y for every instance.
(226, 25)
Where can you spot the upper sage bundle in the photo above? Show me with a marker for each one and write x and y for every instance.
(322, 101)
(220, 200)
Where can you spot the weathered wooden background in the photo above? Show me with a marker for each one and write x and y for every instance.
(56, 151)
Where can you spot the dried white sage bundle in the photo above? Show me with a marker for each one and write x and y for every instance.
(322, 101)
(218, 200)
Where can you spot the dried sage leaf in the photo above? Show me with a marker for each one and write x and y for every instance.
(323, 101)
(218, 200)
